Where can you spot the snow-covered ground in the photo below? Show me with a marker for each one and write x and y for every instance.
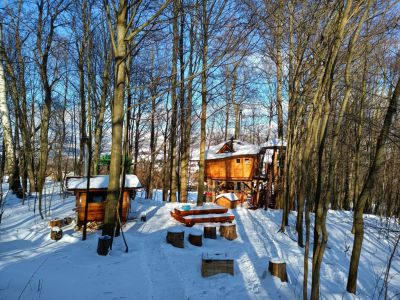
(32, 266)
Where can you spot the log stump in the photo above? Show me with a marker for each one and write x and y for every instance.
(103, 245)
(56, 233)
(228, 231)
(195, 239)
(176, 238)
(67, 220)
(210, 232)
(277, 268)
(56, 223)
(212, 264)
(143, 218)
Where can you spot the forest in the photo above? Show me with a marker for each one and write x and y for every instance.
(145, 87)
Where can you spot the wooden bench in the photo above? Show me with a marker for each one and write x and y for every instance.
(190, 220)
(201, 210)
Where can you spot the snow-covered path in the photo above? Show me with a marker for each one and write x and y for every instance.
(34, 267)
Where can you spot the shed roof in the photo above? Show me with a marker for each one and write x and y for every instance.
(100, 182)
(274, 143)
(229, 196)
(239, 148)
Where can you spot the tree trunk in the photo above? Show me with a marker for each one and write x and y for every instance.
(332, 198)
(7, 132)
(174, 99)
(278, 65)
(227, 101)
(165, 161)
(43, 47)
(117, 121)
(203, 116)
(306, 250)
(82, 101)
(99, 122)
(373, 172)
(16, 74)
(153, 141)
(236, 105)
(185, 111)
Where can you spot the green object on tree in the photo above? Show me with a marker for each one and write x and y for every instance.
(104, 160)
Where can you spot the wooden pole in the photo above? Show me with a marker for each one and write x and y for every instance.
(88, 159)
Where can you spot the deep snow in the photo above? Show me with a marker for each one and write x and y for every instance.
(32, 266)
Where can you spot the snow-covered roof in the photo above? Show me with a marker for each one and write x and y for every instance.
(101, 182)
(274, 143)
(239, 148)
(229, 196)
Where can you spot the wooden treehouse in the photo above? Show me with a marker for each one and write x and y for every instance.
(250, 172)
(97, 196)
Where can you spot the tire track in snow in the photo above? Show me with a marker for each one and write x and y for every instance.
(250, 263)
(261, 234)
(266, 237)
(155, 263)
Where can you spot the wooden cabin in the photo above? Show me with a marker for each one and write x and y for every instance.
(251, 172)
(228, 200)
(233, 167)
(97, 196)
(232, 161)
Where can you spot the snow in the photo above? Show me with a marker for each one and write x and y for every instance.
(191, 217)
(276, 260)
(274, 143)
(32, 266)
(240, 148)
(206, 206)
(101, 182)
(229, 196)
(216, 256)
(55, 228)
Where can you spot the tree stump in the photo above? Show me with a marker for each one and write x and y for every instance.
(56, 233)
(277, 268)
(103, 245)
(210, 232)
(176, 238)
(143, 218)
(56, 223)
(228, 231)
(67, 220)
(195, 239)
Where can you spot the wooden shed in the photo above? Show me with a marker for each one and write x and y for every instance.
(97, 196)
(228, 200)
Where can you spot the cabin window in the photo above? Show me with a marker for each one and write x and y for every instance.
(97, 197)
(238, 160)
(247, 161)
